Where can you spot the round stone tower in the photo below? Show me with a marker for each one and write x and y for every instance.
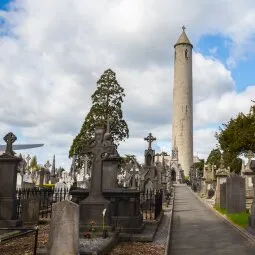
(182, 134)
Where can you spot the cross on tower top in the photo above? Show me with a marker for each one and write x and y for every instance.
(183, 28)
(10, 138)
(150, 139)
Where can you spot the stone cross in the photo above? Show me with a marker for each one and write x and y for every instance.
(47, 165)
(221, 162)
(150, 139)
(100, 149)
(28, 159)
(183, 28)
(249, 155)
(10, 138)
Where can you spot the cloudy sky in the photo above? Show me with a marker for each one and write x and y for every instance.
(52, 52)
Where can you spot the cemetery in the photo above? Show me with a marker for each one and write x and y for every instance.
(113, 204)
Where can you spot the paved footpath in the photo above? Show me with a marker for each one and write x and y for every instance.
(197, 230)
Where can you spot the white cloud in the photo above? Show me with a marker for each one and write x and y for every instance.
(53, 52)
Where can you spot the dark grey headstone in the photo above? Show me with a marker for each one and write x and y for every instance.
(235, 194)
(223, 195)
(41, 177)
(252, 214)
(8, 200)
(30, 211)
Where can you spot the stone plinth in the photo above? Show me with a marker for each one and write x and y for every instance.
(110, 168)
(64, 229)
(221, 177)
(91, 209)
(124, 209)
(8, 200)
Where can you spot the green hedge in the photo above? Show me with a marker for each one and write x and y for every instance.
(49, 185)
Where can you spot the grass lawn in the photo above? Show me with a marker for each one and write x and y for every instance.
(240, 219)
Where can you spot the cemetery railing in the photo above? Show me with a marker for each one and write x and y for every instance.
(46, 196)
(151, 204)
(27, 231)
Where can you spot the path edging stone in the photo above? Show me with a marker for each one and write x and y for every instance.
(167, 250)
(243, 232)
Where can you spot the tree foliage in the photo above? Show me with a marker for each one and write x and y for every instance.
(214, 157)
(106, 104)
(236, 137)
(33, 164)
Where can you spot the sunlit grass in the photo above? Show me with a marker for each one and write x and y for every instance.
(240, 219)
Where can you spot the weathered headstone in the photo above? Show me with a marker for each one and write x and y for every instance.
(235, 194)
(8, 179)
(252, 215)
(30, 211)
(64, 229)
(41, 177)
(223, 195)
(221, 176)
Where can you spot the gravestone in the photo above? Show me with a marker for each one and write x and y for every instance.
(235, 194)
(149, 187)
(30, 211)
(92, 207)
(64, 229)
(41, 176)
(221, 176)
(110, 167)
(252, 215)
(149, 171)
(223, 196)
(8, 179)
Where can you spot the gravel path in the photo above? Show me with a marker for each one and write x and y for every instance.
(197, 230)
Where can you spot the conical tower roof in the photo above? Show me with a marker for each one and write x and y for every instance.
(183, 39)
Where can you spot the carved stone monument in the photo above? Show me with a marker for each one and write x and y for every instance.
(92, 207)
(149, 172)
(221, 177)
(8, 179)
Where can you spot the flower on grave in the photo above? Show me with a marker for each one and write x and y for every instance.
(92, 224)
(87, 235)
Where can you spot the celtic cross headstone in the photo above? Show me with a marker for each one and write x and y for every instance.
(150, 139)
(10, 138)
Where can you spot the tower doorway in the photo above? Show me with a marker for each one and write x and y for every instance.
(173, 175)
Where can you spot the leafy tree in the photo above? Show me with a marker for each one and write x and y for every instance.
(33, 164)
(199, 165)
(236, 137)
(106, 105)
(214, 157)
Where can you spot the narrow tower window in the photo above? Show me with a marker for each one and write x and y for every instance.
(186, 53)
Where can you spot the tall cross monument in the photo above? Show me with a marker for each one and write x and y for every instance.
(182, 132)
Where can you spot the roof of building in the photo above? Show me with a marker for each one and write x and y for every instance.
(183, 39)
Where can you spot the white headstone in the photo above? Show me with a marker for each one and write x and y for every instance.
(64, 229)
